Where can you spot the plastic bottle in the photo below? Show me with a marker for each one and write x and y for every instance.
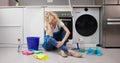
(19, 45)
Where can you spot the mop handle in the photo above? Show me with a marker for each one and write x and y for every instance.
(70, 5)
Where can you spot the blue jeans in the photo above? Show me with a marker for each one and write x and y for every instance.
(50, 43)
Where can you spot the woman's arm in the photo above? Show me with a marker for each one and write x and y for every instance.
(49, 30)
(60, 43)
(67, 33)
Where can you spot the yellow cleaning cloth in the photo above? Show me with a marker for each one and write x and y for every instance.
(41, 56)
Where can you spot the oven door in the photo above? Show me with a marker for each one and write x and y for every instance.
(86, 25)
(68, 22)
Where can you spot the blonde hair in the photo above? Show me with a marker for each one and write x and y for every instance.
(49, 17)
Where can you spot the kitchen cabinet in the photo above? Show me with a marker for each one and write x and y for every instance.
(111, 24)
(111, 1)
(112, 11)
(11, 25)
(112, 34)
(33, 23)
(119, 1)
(98, 2)
(4, 2)
(39, 2)
(55, 2)
(20, 22)
(82, 2)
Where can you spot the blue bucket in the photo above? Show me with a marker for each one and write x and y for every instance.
(33, 43)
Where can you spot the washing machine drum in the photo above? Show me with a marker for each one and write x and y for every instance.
(86, 25)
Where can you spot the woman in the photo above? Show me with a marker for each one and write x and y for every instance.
(55, 38)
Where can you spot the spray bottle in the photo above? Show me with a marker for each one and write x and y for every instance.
(19, 45)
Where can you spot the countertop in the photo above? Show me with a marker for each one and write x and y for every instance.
(55, 6)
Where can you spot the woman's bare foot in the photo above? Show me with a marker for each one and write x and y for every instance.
(75, 54)
(63, 54)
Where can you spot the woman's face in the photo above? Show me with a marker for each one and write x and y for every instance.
(54, 22)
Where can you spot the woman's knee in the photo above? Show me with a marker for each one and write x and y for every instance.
(52, 41)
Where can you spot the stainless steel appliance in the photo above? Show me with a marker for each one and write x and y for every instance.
(111, 24)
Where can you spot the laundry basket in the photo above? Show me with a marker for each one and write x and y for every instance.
(33, 43)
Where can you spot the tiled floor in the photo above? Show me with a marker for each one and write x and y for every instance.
(10, 55)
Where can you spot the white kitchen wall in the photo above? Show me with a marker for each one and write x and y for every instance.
(33, 23)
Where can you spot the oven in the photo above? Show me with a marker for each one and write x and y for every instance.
(66, 18)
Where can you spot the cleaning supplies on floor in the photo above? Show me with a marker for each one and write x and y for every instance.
(26, 52)
(81, 50)
(32, 51)
(98, 51)
(94, 51)
(36, 51)
(41, 56)
(19, 45)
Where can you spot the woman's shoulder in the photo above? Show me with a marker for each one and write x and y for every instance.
(61, 23)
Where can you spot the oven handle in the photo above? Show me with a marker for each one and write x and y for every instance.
(66, 19)
(115, 20)
(113, 23)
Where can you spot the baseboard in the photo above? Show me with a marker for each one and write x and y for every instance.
(82, 46)
(4, 45)
(69, 45)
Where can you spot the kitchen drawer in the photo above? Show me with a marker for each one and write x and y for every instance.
(11, 20)
(11, 16)
(119, 1)
(112, 36)
(112, 11)
(4, 2)
(111, 1)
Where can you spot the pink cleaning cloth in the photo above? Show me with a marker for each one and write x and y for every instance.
(26, 52)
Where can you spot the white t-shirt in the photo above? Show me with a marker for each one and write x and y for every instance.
(58, 27)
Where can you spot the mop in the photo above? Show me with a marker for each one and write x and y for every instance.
(77, 44)
(70, 6)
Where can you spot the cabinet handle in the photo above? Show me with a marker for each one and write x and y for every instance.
(113, 23)
(114, 20)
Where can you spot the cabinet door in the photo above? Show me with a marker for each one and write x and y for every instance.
(119, 1)
(33, 23)
(112, 36)
(11, 25)
(112, 11)
(4, 2)
(98, 2)
(111, 1)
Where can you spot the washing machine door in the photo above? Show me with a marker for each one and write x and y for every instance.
(86, 25)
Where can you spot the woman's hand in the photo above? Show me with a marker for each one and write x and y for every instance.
(59, 44)
(49, 30)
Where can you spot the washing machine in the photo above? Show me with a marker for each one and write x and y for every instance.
(86, 26)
